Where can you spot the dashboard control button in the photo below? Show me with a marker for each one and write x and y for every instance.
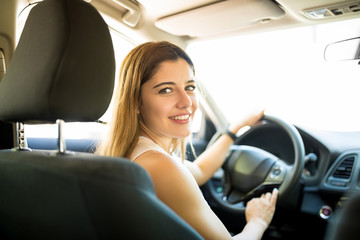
(325, 212)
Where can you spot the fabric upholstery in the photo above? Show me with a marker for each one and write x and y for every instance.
(81, 196)
(345, 223)
(63, 66)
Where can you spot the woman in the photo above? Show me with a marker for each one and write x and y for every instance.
(154, 106)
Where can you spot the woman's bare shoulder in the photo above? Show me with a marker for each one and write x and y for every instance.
(171, 179)
(176, 187)
(160, 165)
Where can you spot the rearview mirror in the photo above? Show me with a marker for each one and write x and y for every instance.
(344, 50)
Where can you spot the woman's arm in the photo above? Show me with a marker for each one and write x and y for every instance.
(176, 187)
(204, 167)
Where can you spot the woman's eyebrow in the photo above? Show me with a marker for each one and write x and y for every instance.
(171, 83)
(164, 83)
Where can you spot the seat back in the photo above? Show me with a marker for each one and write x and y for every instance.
(63, 68)
(345, 223)
(81, 196)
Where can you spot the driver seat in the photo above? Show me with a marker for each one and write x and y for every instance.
(345, 223)
(63, 68)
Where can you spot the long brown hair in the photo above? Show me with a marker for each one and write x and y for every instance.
(139, 66)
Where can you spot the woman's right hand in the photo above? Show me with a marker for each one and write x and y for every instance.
(261, 210)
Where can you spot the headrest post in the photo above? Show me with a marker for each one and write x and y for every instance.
(21, 144)
(61, 139)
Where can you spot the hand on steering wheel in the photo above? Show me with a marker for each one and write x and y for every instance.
(252, 171)
(262, 209)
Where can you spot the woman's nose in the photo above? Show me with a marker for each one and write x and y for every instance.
(184, 100)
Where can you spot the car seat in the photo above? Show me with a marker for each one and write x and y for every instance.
(345, 223)
(63, 69)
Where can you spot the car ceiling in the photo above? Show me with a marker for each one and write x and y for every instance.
(193, 20)
(182, 21)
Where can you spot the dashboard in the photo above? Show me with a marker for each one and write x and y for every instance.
(332, 166)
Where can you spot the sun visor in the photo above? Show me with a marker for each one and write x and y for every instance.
(221, 17)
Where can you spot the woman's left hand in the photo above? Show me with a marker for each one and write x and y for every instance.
(248, 120)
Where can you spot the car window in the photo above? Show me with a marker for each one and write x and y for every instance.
(284, 72)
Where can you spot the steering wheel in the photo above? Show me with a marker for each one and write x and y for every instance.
(251, 171)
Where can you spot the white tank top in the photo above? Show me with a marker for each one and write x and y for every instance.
(143, 145)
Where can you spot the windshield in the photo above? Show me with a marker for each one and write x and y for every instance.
(285, 73)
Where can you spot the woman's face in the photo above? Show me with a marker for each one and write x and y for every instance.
(169, 101)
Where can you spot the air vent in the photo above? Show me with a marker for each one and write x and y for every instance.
(345, 168)
(340, 177)
(334, 10)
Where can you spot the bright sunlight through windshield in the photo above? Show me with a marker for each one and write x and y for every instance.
(285, 73)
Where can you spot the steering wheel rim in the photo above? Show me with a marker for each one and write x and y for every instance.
(292, 172)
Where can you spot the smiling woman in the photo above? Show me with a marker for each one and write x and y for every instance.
(154, 106)
(158, 99)
(128, 120)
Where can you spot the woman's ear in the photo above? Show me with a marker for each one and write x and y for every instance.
(138, 110)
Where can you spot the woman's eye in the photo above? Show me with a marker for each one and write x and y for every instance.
(190, 88)
(165, 90)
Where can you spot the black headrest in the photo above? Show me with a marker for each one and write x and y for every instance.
(63, 66)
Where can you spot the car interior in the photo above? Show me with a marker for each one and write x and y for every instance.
(88, 201)
(59, 61)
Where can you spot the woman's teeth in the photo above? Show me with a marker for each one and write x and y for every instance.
(184, 117)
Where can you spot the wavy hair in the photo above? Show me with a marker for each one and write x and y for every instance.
(139, 66)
